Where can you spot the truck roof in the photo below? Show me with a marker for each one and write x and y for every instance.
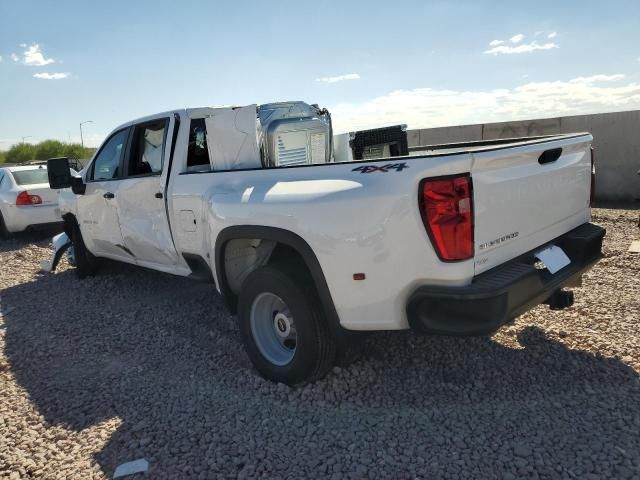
(189, 111)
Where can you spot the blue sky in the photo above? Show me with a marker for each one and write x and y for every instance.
(371, 63)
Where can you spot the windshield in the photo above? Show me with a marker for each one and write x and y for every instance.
(30, 177)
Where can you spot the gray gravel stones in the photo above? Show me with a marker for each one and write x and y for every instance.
(136, 364)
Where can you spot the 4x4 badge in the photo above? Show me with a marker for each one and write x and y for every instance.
(398, 167)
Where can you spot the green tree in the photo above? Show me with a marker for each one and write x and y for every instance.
(77, 151)
(21, 152)
(49, 149)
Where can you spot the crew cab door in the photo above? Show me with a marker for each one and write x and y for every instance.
(141, 200)
(97, 213)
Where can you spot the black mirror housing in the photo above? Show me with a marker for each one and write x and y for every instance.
(77, 185)
(60, 176)
(59, 173)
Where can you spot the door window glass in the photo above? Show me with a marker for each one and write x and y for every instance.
(147, 148)
(107, 164)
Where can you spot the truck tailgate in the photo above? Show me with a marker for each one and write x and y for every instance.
(525, 195)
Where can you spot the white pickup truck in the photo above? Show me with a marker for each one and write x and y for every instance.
(449, 239)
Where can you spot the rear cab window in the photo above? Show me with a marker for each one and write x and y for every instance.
(198, 151)
(30, 177)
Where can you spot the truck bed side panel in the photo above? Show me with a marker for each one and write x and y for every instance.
(355, 223)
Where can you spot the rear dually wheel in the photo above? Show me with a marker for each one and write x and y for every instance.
(282, 326)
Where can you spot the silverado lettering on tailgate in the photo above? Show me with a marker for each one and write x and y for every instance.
(498, 241)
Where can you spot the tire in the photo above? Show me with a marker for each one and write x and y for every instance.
(86, 263)
(270, 297)
(4, 231)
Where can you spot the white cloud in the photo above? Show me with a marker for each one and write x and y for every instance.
(495, 43)
(427, 107)
(552, 35)
(51, 76)
(517, 38)
(598, 78)
(523, 48)
(15, 57)
(34, 57)
(339, 78)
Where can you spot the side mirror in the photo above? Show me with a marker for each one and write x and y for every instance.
(60, 176)
(59, 173)
(77, 185)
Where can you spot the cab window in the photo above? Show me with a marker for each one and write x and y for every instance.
(198, 154)
(147, 148)
(106, 165)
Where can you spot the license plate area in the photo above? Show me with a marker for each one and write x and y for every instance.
(553, 258)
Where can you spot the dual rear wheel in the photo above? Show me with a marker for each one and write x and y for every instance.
(282, 326)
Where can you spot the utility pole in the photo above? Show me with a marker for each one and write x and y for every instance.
(28, 136)
(82, 123)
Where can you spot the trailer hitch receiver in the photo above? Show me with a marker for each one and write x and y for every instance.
(560, 299)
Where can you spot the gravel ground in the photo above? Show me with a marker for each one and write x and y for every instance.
(135, 364)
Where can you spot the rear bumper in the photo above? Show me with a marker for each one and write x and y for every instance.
(495, 297)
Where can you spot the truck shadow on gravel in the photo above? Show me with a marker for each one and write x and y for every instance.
(162, 355)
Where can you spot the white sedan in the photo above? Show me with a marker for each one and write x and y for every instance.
(26, 201)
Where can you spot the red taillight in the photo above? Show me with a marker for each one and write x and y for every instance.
(447, 209)
(25, 198)
(592, 194)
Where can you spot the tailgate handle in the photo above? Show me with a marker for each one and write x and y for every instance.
(550, 156)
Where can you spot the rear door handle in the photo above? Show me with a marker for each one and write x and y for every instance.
(109, 195)
(158, 195)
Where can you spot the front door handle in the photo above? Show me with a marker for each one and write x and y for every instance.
(109, 195)
(158, 195)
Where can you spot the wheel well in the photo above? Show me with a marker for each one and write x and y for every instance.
(244, 255)
(260, 245)
(69, 222)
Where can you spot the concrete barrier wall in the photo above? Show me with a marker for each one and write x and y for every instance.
(616, 143)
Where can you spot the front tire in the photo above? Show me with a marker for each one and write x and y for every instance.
(86, 263)
(4, 231)
(282, 326)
